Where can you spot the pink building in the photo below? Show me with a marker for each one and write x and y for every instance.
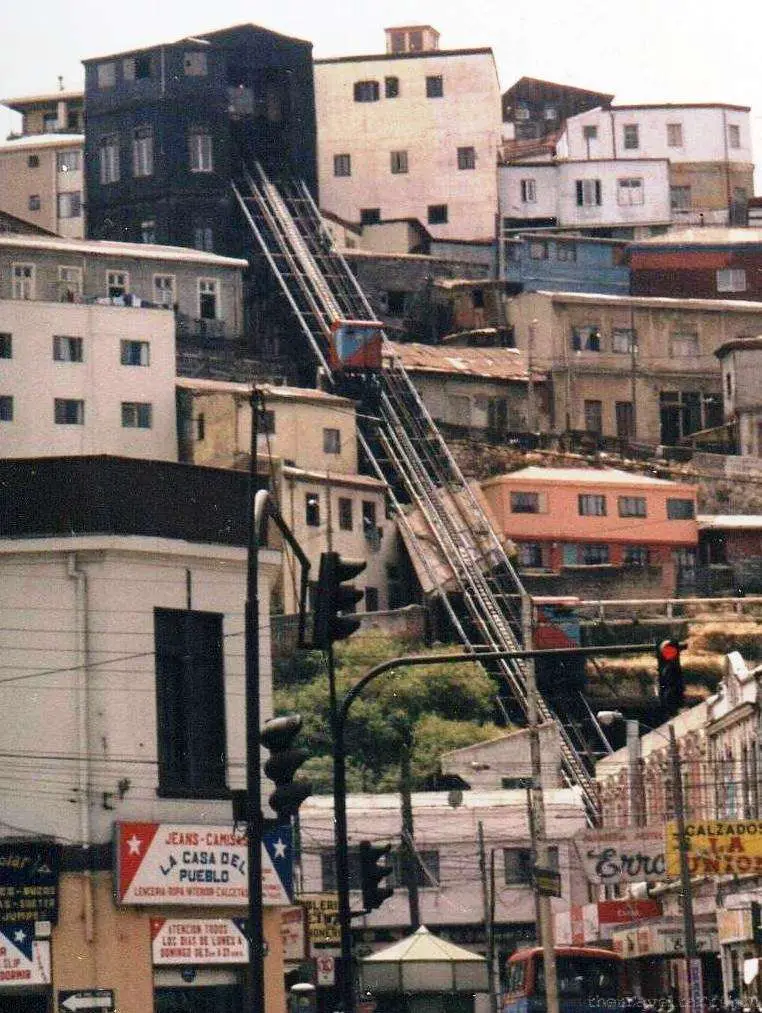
(610, 530)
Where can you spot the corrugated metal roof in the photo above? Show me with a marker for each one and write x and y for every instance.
(598, 476)
(485, 363)
(107, 248)
(730, 522)
(704, 235)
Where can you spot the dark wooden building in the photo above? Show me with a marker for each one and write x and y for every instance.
(538, 108)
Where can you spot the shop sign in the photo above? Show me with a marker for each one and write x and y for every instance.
(325, 967)
(634, 855)
(547, 881)
(733, 925)
(322, 919)
(717, 848)
(29, 882)
(587, 923)
(193, 864)
(661, 940)
(24, 960)
(199, 941)
(292, 933)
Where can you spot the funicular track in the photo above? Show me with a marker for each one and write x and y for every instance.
(405, 449)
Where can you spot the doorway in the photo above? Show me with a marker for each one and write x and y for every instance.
(206, 999)
(13, 1002)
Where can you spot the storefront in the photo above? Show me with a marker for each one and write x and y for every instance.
(738, 952)
(655, 955)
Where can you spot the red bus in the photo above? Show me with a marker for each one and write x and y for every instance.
(588, 978)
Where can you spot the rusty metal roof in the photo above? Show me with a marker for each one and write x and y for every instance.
(482, 363)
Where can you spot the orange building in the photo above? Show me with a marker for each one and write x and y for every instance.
(577, 522)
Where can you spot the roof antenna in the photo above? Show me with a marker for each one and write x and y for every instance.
(60, 82)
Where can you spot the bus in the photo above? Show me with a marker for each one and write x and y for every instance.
(588, 978)
(356, 344)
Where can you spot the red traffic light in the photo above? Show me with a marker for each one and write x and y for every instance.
(669, 650)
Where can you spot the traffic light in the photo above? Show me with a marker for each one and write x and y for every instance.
(372, 871)
(756, 922)
(285, 759)
(333, 600)
(671, 684)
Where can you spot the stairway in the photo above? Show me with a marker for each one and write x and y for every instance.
(405, 449)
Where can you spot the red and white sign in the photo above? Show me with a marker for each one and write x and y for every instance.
(293, 934)
(198, 941)
(326, 970)
(163, 863)
(590, 923)
(23, 960)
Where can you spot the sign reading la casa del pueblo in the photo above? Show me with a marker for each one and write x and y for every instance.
(633, 855)
(717, 848)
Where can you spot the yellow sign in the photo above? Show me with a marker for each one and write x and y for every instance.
(717, 848)
(322, 918)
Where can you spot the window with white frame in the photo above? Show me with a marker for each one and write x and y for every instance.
(467, 158)
(22, 286)
(622, 340)
(682, 345)
(106, 74)
(591, 504)
(108, 156)
(69, 161)
(69, 205)
(731, 279)
(164, 290)
(631, 506)
(148, 231)
(586, 338)
(134, 353)
(674, 135)
(66, 349)
(69, 283)
(528, 191)
(207, 299)
(588, 192)
(342, 165)
(398, 160)
(734, 135)
(629, 190)
(200, 150)
(203, 238)
(117, 284)
(142, 152)
(68, 411)
(137, 414)
(631, 136)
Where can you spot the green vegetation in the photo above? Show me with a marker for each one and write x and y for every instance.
(443, 707)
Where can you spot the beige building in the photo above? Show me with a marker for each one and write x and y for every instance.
(635, 368)
(410, 133)
(308, 442)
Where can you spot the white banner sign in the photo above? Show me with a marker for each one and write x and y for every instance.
(24, 960)
(199, 941)
(634, 855)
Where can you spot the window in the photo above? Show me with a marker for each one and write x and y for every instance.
(345, 513)
(437, 214)
(67, 349)
(586, 338)
(731, 279)
(368, 516)
(137, 415)
(635, 555)
(398, 42)
(680, 509)
(623, 340)
(190, 703)
(331, 441)
(266, 422)
(108, 156)
(142, 152)
(207, 299)
(590, 132)
(435, 86)
(522, 113)
(194, 63)
(366, 91)
(680, 198)
(681, 345)
(34, 202)
(632, 506)
(68, 412)
(518, 865)
(674, 135)
(134, 353)
(23, 281)
(395, 303)
(148, 231)
(164, 289)
(528, 191)
(415, 42)
(526, 502)
(370, 216)
(200, 427)
(69, 161)
(200, 150)
(734, 135)
(467, 158)
(593, 416)
(550, 113)
(591, 505)
(566, 252)
(538, 250)
(312, 510)
(629, 191)
(6, 408)
(116, 284)
(49, 123)
(391, 87)
(398, 162)
(33, 161)
(624, 416)
(371, 599)
(6, 346)
(203, 238)
(588, 192)
(631, 136)
(106, 74)
(593, 555)
(342, 165)
(69, 283)
(530, 555)
(69, 205)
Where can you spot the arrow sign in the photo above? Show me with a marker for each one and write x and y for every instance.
(93, 999)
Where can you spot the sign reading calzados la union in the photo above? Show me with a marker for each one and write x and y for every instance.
(164, 863)
(623, 856)
(717, 848)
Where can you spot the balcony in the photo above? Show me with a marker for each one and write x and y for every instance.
(200, 331)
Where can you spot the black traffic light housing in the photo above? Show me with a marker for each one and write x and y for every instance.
(756, 922)
(671, 685)
(372, 871)
(278, 735)
(333, 600)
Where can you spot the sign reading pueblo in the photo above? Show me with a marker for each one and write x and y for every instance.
(717, 848)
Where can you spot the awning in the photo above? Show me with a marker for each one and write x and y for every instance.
(424, 963)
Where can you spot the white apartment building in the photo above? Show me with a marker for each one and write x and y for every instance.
(410, 133)
(42, 182)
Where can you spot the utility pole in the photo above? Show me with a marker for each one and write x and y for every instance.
(695, 986)
(409, 864)
(487, 906)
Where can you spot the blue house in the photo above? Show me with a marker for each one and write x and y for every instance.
(553, 262)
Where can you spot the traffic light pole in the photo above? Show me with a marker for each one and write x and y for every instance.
(339, 715)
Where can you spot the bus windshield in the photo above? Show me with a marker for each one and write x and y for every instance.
(582, 977)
